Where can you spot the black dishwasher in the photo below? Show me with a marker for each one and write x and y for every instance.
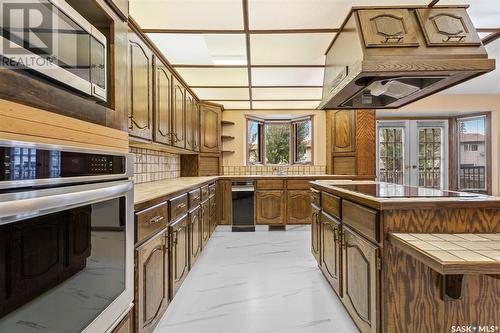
(243, 205)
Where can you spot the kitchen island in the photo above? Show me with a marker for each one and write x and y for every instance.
(409, 259)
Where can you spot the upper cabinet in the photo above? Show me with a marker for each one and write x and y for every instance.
(196, 125)
(210, 128)
(387, 28)
(447, 26)
(163, 104)
(179, 115)
(191, 122)
(141, 90)
(120, 7)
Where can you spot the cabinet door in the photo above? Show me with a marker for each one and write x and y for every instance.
(152, 293)
(196, 125)
(315, 233)
(225, 203)
(330, 251)
(448, 27)
(270, 207)
(210, 128)
(126, 325)
(179, 256)
(213, 214)
(140, 88)
(195, 234)
(190, 122)
(205, 218)
(179, 116)
(387, 28)
(298, 207)
(360, 280)
(163, 104)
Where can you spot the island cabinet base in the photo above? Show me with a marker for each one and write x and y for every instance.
(385, 289)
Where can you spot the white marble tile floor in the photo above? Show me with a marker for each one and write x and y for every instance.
(261, 282)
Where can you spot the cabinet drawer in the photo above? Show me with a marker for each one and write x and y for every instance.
(315, 197)
(330, 204)
(270, 184)
(151, 220)
(364, 220)
(178, 206)
(297, 184)
(204, 193)
(211, 190)
(194, 198)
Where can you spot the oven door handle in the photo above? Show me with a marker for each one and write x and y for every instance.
(25, 205)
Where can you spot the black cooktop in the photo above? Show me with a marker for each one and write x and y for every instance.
(402, 191)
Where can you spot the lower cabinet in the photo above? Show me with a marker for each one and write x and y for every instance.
(195, 234)
(205, 221)
(152, 276)
(179, 253)
(315, 232)
(213, 213)
(126, 325)
(360, 280)
(330, 256)
(269, 207)
(298, 207)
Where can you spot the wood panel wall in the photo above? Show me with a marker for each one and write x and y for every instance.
(24, 123)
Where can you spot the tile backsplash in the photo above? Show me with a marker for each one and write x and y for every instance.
(151, 165)
(271, 170)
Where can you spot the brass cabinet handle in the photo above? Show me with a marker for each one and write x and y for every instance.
(156, 219)
(455, 38)
(181, 205)
(393, 39)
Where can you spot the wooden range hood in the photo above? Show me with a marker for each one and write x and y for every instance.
(385, 58)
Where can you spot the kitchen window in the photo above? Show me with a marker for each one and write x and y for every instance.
(279, 142)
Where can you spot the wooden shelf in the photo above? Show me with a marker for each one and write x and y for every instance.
(225, 122)
(227, 137)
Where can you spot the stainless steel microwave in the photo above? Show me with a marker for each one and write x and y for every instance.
(50, 38)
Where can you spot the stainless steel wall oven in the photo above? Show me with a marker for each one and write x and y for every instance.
(66, 238)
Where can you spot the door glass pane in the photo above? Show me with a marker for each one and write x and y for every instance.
(391, 155)
(430, 157)
(472, 153)
(277, 143)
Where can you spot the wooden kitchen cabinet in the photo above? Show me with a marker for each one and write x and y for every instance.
(225, 201)
(141, 88)
(195, 235)
(360, 270)
(192, 124)
(447, 27)
(388, 27)
(210, 128)
(205, 221)
(213, 213)
(179, 115)
(179, 253)
(270, 206)
(152, 273)
(315, 232)
(298, 207)
(163, 104)
(126, 325)
(330, 251)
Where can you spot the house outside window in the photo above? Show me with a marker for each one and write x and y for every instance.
(279, 142)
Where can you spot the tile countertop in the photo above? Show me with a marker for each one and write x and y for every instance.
(148, 191)
(478, 200)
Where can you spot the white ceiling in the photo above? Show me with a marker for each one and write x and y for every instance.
(206, 41)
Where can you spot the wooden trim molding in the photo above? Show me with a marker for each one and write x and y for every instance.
(236, 31)
(490, 38)
(19, 122)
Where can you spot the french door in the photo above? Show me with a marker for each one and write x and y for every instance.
(413, 152)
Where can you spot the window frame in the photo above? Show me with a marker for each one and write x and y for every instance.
(487, 131)
(262, 123)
